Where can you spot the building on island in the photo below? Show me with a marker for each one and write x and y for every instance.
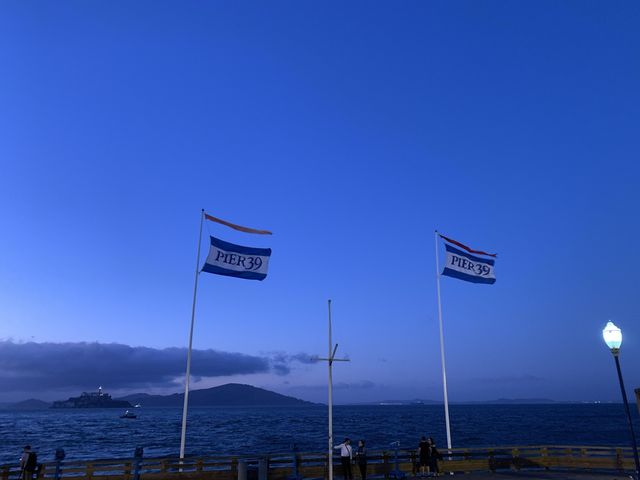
(97, 399)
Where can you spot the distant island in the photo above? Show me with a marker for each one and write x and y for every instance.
(30, 404)
(231, 394)
(97, 399)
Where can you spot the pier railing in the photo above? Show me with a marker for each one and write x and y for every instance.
(381, 464)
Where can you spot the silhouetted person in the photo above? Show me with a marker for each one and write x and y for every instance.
(434, 456)
(346, 454)
(28, 463)
(361, 458)
(424, 456)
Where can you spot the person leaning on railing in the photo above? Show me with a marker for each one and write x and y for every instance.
(434, 456)
(361, 459)
(424, 456)
(346, 454)
(28, 463)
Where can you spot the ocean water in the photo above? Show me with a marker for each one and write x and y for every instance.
(100, 433)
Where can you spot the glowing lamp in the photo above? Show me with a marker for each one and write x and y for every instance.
(612, 336)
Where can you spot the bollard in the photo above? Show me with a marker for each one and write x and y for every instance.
(263, 468)
(397, 473)
(385, 463)
(137, 456)
(242, 470)
(296, 462)
(59, 458)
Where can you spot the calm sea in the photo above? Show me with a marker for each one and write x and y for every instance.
(100, 433)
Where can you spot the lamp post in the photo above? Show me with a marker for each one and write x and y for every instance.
(613, 338)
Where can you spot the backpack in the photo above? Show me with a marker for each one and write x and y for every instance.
(32, 462)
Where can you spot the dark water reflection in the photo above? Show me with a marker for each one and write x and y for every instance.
(90, 434)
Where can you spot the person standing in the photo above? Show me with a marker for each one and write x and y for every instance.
(434, 456)
(28, 463)
(361, 458)
(424, 456)
(346, 454)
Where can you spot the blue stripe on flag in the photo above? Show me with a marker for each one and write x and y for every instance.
(232, 247)
(233, 273)
(473, 258)
(469, 278)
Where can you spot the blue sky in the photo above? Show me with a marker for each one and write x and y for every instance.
(352, 131)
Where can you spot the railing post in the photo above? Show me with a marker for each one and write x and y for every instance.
(137, 456)
(234, 467)
(297, 461)
(492, 461)
(413, 462)
(569, 453)
(619, 459)
(544, 454)
(385, 463)
(89, 471)
(515, 459)
(326, 466)
(59, 458)
(465, 455)
(263, 468)
(242, 469)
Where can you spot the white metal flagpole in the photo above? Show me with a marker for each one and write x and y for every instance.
(188, 373)
(330, 359)
(330, 362)
(444, 373)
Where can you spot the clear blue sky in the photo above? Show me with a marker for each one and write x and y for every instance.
(352, 130)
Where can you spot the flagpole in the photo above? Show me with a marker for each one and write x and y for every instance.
(330, 359)
(330, 363)
(444, 373)
(188, 372)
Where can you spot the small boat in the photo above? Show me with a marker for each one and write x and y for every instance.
(128, 414)
(137, 405)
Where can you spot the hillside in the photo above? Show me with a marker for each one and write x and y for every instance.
(231, 394)
(31, 404)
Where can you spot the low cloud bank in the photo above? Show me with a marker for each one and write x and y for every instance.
(42, 366)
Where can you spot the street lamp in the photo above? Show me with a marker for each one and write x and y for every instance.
(613, 338)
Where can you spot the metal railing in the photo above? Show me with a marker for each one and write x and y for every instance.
(315, 465)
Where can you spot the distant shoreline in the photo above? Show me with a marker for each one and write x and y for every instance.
(242, 395)
(10, 407)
